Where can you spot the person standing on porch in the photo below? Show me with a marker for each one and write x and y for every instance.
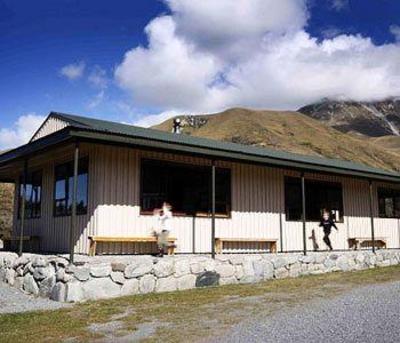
(164, 216)
(327, 223)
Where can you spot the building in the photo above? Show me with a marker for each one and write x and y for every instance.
(123, 172)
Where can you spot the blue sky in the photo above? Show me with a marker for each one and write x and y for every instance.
(68, 56)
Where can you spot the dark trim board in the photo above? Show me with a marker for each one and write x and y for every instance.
(100, 131)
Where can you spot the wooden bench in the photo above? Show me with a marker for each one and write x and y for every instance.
(219, 243)
(151, 239)
(356, 242)
(30, 239)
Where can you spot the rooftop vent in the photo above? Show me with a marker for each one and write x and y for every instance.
(177, 128)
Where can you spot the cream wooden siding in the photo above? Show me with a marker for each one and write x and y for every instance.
(54, 231)
(51, 125)
(257, 208)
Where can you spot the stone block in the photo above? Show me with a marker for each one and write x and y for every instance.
(168, 284)
(186, 282)
(58, 292)
(228, 281)
(100, 270)
(74, 292)
(138, 268)
(46, 286)
(118, 277)
(225, 270)
(281, 273)
(147, 284)
(100, 288)
(130, 287)
(207, 279)
(163, 268)
(30, 285)
(182, 267)
(118, 266)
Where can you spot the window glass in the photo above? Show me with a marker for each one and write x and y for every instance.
(185, 187)
(63, 188)
(33, 195)
(389, 203)
(320, 196)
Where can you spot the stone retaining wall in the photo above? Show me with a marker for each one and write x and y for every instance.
(112, 276)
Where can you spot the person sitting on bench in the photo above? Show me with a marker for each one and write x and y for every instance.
(327, 223)
(163, 230)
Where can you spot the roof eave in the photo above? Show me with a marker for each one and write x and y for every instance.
(226, 155)
(36, 146)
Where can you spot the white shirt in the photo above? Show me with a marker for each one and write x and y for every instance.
(165, 220)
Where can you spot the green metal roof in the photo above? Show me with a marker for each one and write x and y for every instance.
(101, 130)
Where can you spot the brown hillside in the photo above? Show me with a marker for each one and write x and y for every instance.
(6, 208)
(288, 131)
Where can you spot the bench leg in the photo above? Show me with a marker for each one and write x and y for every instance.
(92, 248)
(273, 247)
(218, 246)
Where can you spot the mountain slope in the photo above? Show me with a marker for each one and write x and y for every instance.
(288, 131)
(6, 208)
(373, 119)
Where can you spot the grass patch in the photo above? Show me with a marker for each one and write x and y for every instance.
(185, 315)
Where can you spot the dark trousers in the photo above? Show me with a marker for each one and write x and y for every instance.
(327, 240)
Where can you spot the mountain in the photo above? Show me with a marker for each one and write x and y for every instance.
(373, 119)
(6, 208)
(288, 131)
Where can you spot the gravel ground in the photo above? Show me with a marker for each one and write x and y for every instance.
(13, 300)
(367, 314)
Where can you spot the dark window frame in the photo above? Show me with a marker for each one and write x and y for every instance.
(392, 194)
(34, 211)
(178, 212)
(69, 165)
(321, 183)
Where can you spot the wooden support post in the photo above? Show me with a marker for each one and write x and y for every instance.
(213, 209)
(371, 213)
(22, 209)
(74, 200)
(303, 201)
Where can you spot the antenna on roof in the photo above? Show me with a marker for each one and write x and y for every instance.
(177, 126)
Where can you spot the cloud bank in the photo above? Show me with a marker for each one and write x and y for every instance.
(73, 71)
(21, 132)
(208, 55)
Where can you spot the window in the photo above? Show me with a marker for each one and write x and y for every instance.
(389, 203)
(63, 188)
(185, 187)
(33, 195)
(319, 196)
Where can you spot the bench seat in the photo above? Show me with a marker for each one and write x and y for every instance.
(110, 239)
(270, 242)
(356, 242)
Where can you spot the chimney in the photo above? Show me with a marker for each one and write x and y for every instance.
(177, 126)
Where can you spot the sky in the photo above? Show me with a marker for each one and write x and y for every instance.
(140, 62)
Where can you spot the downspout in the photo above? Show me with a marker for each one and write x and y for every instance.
(74, 200)
(371, 212)
(22, 210)
(213, 209)
(303, 202)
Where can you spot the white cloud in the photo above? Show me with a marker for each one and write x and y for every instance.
(97, 100)
(21, 131)
(153, 119)
(98, 77)
(395, 31)
(73, 71)
(209, 55)
(339, 5)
